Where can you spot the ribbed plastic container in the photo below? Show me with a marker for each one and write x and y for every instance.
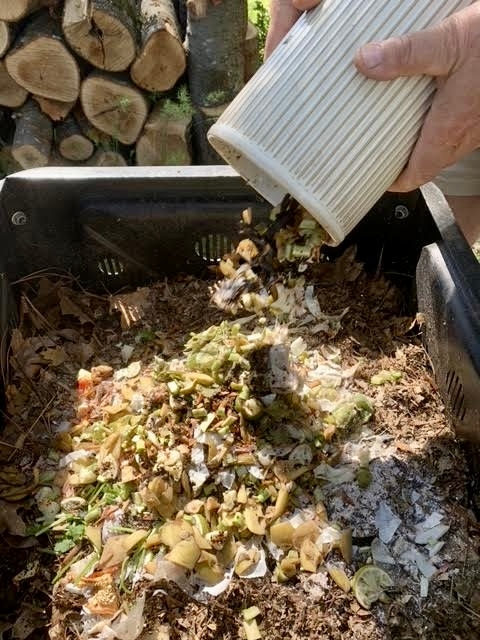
(310, 125)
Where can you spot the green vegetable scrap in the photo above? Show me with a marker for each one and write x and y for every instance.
(384, 377)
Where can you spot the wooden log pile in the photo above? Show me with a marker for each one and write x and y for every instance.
(117, 82)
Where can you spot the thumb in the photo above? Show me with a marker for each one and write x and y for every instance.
(305, 5)
(431, 52)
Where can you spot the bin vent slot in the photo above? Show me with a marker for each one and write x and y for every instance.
(456, 395)
(213, 247)
(111, 266)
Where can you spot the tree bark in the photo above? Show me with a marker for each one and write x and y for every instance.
(181, 11)
(102, 31)
(15, 10)
(7, 34)
(113, 105)
(54, 109)
(11, 94)
(161, 61)
(41, 63)
(71, 143)
(32, 141)
(215, 44)
(107, 159)
(203, 119)
(252, 55)
(165, 139)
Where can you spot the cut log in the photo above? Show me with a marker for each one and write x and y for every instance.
(54, 109)
(203, 119)
(165, 139)
(71, 143)
(252, 53)
(7, 34)
(114, 105)
(32, 141)
(15, 10)
(99, 138)
(162, 60)
(41, 63)
(102, 31)
(11, 94)
(215, 44)
(107, 159)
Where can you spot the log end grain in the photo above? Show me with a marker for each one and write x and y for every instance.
(45, 67)
(102, 39)
(161, 62)
(115, 107)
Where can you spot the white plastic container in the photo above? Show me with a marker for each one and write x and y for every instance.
(310, 125)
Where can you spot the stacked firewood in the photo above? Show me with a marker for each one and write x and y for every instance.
(117, 82)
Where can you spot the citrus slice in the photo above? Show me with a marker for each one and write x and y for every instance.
(369, 584)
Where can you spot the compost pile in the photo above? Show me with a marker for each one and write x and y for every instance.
(277, 467)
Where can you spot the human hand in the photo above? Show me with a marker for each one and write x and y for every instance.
(450, 52)
(283, 15)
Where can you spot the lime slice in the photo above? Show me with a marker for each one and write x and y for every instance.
(369, 584)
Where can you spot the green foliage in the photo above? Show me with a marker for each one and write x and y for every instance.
(179, 106)
(216, 98)
(259, 16)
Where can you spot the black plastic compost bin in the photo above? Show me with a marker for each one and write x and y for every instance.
(127, 226)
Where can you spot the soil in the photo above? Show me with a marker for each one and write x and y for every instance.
(63, 328)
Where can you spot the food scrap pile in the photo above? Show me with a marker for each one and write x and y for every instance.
(210, 484)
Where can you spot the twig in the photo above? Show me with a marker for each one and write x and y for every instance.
(34, 424)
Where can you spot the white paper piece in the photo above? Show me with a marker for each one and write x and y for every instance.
(433, 519)
(387, 522)
(198, 474)
(431, 536)
(221, 586)
(380, 552)
(259, 569)
(424, 584)
(126, 352)
(226, 478)
(128, 626)
(334, 475)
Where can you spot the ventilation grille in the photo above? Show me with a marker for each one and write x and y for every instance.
(111, 266)
(213, 247)
(456, 395)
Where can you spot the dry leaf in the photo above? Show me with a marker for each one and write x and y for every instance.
(70, 308)
(55, 357)
(132, 306)
(10, 520)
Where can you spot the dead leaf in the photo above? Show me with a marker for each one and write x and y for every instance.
(132, 306)
(10, 521)
(55, 357)
(27, 622)
(70, 308)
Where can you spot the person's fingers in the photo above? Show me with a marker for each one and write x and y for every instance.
(282, 20)
(432, 52)
(451, 130)
(305, 5)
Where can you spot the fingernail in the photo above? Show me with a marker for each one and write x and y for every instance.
(371, 55)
